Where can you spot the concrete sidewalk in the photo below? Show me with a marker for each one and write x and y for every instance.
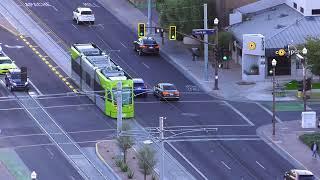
(180, 56)
(286, 142)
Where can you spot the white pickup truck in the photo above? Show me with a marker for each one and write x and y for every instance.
(83, 15)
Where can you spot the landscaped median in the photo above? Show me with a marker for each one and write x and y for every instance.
(110, 153)
(308, 139)
(313, 94)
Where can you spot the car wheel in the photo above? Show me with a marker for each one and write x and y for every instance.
(78, 22)
(140, 52)
(11, 88)
(92, 22)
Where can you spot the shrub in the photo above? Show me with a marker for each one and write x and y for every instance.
(308, 139)
(130, 173)
(119, 162)
(124, 167)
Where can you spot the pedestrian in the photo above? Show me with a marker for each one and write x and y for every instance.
(314, 149)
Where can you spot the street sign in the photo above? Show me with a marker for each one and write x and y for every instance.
(202, 31)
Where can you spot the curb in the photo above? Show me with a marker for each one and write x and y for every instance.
(104, 162)
(9, 30)
(279, 149)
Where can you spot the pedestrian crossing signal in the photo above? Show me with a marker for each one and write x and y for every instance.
(172, 33)
(141, 29)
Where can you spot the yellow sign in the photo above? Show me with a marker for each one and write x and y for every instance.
(252, 45)
(281, 52)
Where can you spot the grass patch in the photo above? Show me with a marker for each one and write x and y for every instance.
(293, 85)
(308, 139)
(316, 85)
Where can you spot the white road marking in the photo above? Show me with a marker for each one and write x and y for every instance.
(202, 126)
(75, 26)
(268, 111)
(195, 168)
(239, 113)
(38, 91)
(22, 135)
(47, 107)
(16, 47)
(54, 7)
(180, 101)
(260, 165)
(50, 152)
(215, 139)
(145, 65)
(123, 45)
(225, 165)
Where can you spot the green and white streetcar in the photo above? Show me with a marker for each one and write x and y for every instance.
(97, 75)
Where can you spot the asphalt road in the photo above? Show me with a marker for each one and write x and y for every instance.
(77, 116)
(250, 159)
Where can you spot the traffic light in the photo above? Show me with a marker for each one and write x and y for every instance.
(172, 33)
(141, 29)
(216, 53)
(225, 54)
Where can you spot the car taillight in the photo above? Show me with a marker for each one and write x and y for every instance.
(177, 93)
(157, 46)
(142, 46)
(165, 93)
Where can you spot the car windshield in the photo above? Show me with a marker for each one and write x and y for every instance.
(15, 76)
(86, 12)
(149, 41)
(6, 61)
(169, 87)
(306, 177)
(126, 96)
(138, 84)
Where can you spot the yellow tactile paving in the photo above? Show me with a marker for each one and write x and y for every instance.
(43, 58)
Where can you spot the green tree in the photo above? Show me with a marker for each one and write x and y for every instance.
(125, 142)
(225, 38)
(313, 46)
(147, 160)
(185, 14)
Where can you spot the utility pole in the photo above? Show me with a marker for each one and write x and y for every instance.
(205, 26)
(216, 39)
(149, 16)
(162, 148)
(119, 108)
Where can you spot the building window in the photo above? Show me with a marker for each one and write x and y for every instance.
(315, 11)
(301, 10)
(295, 5)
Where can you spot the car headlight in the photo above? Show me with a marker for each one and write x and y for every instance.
(14, 84)
(26, 83)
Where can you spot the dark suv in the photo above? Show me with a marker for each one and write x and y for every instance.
(16, 80)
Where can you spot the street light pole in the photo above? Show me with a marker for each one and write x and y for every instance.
(162, 148)
(216, 77)
(274, 63)
(304, 52)
(205, 25)
(119, 108)
(149, 16)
